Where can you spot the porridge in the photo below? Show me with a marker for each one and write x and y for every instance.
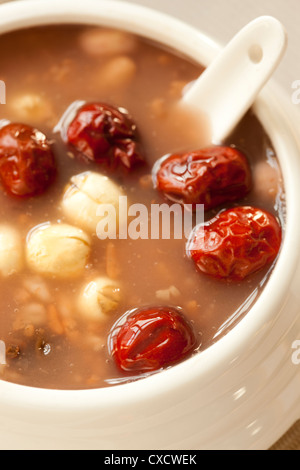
(92, 118)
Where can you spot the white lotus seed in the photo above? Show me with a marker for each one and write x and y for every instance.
(32, 108)
(118, 72)
(11, 251)
(106, 42)
(99, 298)
(83, 197)
(59, 250)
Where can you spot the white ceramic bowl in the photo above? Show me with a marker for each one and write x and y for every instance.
(241, 393)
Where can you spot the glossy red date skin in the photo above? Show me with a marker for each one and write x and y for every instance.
(150, 339)
(236, 243)
(211, 176)
(105, 134)
(27, 164)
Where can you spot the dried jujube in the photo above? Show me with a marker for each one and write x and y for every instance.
(105, 134)
(235, 243)
(27, 164)
(210, 176)
(151, 338)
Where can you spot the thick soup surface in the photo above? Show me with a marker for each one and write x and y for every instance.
(50, 327)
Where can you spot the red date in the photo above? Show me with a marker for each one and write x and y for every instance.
(105, 134)
(27, 164)
(211, 176)
(149, 339)
(236, 243)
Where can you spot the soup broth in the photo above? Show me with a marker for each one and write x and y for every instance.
(49, 340)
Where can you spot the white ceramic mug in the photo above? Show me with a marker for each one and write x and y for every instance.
(241, 393)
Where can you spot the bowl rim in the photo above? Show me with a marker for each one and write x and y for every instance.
(229, 349)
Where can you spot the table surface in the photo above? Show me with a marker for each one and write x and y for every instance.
(221, 19)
